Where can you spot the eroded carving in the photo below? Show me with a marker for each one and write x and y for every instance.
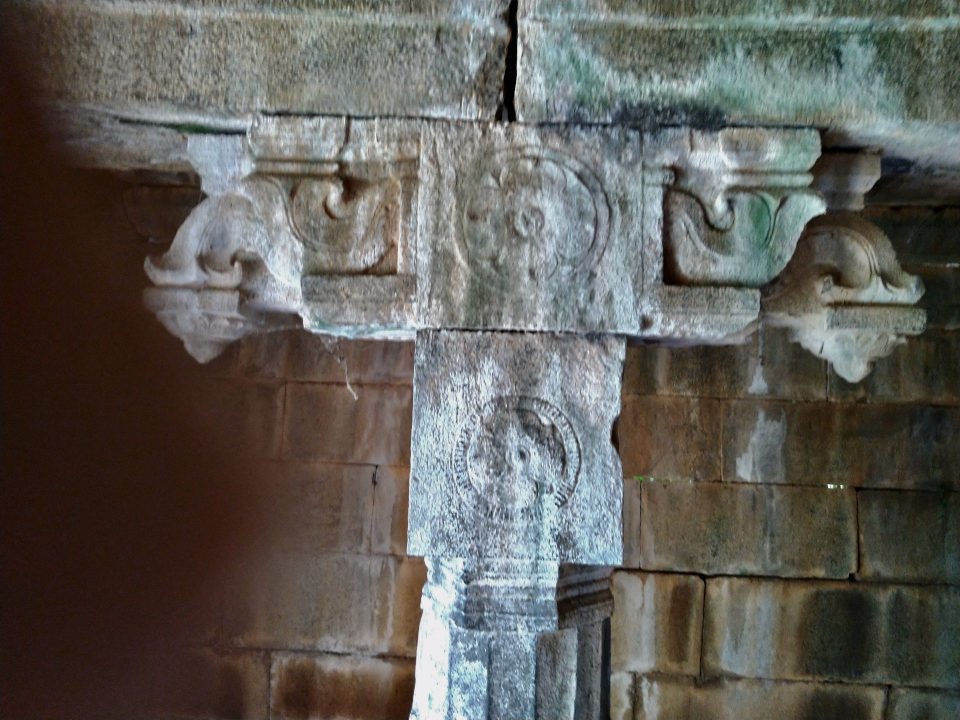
(737, 206)
(289, 202)
(350, 220)
(231, 270)
(532, 214)
(845, 296)
(516, 454)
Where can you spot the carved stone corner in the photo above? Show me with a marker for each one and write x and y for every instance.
(738, 203)
(229, 272)
(844, 296)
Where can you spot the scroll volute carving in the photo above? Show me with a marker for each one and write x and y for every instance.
(844, 295)
(738, 205)
(231, 270)
(349, 220)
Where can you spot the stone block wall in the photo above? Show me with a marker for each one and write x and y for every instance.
(327, 614)
(792, 542)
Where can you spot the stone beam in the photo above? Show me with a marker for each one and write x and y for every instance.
(382, 228)
(879, 74)
(210, 64)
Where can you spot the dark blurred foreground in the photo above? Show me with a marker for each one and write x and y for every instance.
(125, 494)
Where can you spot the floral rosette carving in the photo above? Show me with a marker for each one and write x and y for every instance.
(532, 215)
(515, 456)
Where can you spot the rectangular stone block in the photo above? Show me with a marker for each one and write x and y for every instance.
(255, 357)
(241, 685)
(531, 229)
(260, 408)
(332, 686)
(766, 365)
(941, 298)
(203, 682)
(621, 695)
(332, 603)
(317, 508)
(921, 236)
(872, 445)
(314, 358)
(223, 61)
(671, 698)
(632, 492)
(926, 369)
(917, 704)
(656, 624)
(909, 536)
(670, 438)
(391, 496)
(830, 631)
(721, 529)
(511, 447)
(363, 424)
(839, 66)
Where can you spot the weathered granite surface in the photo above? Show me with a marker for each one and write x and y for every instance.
(384, 227)
(872, 74)
(213, 62)
(513, 473)
(531, 228)
(511, 453)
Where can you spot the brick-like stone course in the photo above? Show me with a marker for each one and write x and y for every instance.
(766, 418)
(313, 358)
(909, 536)
(672, 438)
(861, 445)
(916, 704)
(333, 603)
(721, 528)
(196, 682)
(829, 631)
(333, 686)
(921, 236)
(656, 623)
(388, 532)
(768, 364)
(632, 520)
(314, 508)
(319, 508)
(326, 422)
(260, 406)
(924, 370)
(675, 698)
(240, 684)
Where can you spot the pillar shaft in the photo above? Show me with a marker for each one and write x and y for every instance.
(513, 474)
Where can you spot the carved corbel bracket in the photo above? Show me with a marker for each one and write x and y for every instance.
(288, 206)
(845, 297)
(737, 205)
(233, 267)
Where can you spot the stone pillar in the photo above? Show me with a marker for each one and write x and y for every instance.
(513, 473)
(521, 258)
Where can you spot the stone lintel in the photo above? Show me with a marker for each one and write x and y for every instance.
(380, 228)
(194, 63)
(878, 74)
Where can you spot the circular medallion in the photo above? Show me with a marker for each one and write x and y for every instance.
(530, 214)
(515, 455)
